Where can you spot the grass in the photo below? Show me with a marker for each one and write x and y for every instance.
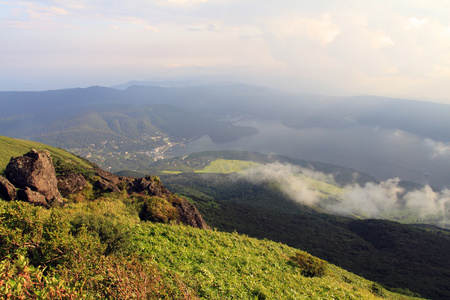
(10, 147)
(227, 166)
(326, 189)
(217, 265)
(188, 263)
(171, 172)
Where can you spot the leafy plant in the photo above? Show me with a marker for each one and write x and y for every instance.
(20, 280)
(157, 209)
(114, 236)
(310, 266)
(377, 289)
(63, 167)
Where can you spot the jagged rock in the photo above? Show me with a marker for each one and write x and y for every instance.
(32, 197)
(109, 182)
(35, 171)
(106, 186)
(7, 189)
(150, 185)
(190, 215)
(71, 184)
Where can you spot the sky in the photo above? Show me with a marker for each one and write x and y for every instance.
(394, 48)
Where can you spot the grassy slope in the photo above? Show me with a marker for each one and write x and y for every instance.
(221, 265)
(10, 147)
(393, 254)
(226, 166)
(209, 264)
(206, 264)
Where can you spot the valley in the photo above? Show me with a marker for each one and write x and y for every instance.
(118, 243)
(325, 175)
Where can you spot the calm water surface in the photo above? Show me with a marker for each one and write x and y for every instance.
(383, 153)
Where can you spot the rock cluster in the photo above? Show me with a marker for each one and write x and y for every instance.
(35, 177)
(32, 178)
(152, 186)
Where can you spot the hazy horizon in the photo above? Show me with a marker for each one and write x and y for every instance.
(383, 48)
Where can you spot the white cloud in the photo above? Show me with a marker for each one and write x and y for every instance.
(438, 148)
(414, 22)
(428, 202)
(288, 178)
(370, 200)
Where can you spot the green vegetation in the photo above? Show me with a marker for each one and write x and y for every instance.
(109, 248)
(227, 166)
(101, 249)
(398, 256)
(310, 266)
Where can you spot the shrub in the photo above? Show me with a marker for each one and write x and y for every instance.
(129, 278)
(377, 290)
(40, 234)
(86, 194)
(157, 209)
(63, 167)
(20, 280)
(310, 266)
(114, 236)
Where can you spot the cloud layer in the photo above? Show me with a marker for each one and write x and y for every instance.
(386, 199)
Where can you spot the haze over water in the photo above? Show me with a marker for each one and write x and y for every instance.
(381, 153)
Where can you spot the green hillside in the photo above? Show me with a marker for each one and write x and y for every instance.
(98, 247)
(394, 254)
(227, 166)
(117, 256)
(10, 147)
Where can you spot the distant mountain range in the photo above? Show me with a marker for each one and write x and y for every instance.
(115, 127)
(22, 110)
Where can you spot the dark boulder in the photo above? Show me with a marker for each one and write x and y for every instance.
(71, 184)
(7, 189)
(35, 171)
(190, 215)
(109, 182)
(150, 185)
(32, 197)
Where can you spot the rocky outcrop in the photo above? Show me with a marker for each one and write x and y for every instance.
(34, 171)
(190, 215)
(151, 186)
(33, 197)
(109, 182)
(35, 177)
(7, 189)
(71, 184)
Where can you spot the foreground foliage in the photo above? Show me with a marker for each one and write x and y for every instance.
(101, 249)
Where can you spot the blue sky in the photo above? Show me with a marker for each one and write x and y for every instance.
(387, 48)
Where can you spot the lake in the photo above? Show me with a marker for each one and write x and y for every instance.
(382, 153)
